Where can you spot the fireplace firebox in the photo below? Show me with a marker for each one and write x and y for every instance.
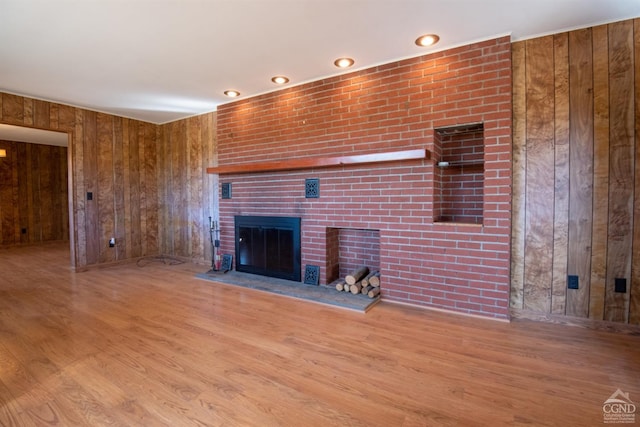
(268, 246)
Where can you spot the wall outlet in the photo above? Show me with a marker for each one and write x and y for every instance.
(620, 285)
(572, 282)
(112, 242)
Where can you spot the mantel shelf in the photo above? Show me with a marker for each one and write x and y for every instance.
(321, 162)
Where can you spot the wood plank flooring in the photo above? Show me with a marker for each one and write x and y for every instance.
(154, 346)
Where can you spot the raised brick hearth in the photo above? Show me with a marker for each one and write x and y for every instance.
(428, 254)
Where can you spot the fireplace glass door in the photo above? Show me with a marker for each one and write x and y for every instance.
(269, 246)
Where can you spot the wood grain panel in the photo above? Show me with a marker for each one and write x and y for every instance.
(12, 109)
(27, 108)
(600, 171)
(126, 189)
(6, 195)
(119, 213)
(41, 114)
(45, 199)
(149, 187)
(561, 187)
(79, 191)
(34, 194)
(581, 169)
(634, 303)
(518, 64)
(65, 118)
(195, 185)
(24, 202)
(540, 175)
(622, 155)
(92, 230)
(32, 202)
(179, 148)
(105, 188)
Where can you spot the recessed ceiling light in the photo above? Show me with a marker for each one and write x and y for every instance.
(232, 93)
(343, 62)
(280, 80)
(427, 40)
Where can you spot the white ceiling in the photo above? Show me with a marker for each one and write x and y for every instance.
(163, 60)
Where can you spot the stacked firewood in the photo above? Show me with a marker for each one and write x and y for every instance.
(361, 281)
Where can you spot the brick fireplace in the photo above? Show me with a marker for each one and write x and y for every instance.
(439, 237)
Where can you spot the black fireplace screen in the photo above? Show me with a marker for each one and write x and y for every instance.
(269, 246)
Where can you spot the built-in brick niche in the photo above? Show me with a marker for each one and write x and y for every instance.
(459, 175)
(349, 249)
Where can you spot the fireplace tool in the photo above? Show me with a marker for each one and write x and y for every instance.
(214, 234)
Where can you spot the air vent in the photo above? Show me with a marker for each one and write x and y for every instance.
(312, 188)
(311, 275)
(226, 190)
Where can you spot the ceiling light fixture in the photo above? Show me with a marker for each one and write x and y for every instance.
(427, 40)
(343, 62)
(232, 93)
(280, 80)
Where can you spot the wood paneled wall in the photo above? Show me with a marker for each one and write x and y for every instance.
(576, 173)
(33, 194)
(189, 195)
(113, 158)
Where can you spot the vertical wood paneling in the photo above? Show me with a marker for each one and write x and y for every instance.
(79, 191)
(12, 109)
(581, 169)
(561, 187)
(187, 150)
(92, 219)
(41, 114)
(149, 196)
(119, 212)
(196, 214)
(128, 235)
(92, 230)
(106, 199)
(33, 193)
(622, 155)
(540, 175)
(6, 195)
(16, 195)
(634, 303)
(600, 171)
(35, 209)
(45, 204)
(24, 171)
(599, 205)
(518, 64)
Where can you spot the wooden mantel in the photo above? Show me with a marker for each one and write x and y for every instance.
(321, 162)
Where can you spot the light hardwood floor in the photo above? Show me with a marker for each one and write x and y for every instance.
(152, 345)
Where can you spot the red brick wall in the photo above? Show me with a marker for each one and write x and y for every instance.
(397, 106)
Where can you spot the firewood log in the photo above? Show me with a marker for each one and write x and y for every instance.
(355, 288)
(340, 286)
(365, 290)
(375, 279)
(365, 280)
(356, 275)
(373, 292)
